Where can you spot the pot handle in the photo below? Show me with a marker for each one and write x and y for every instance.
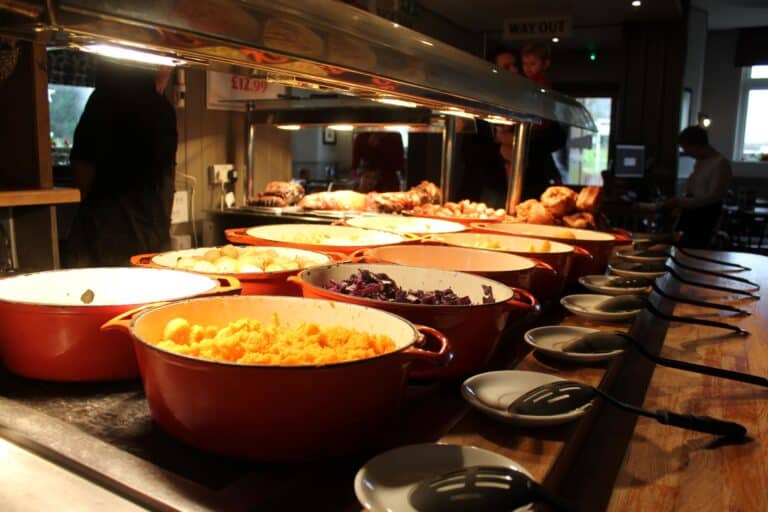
(432, 240)
(122, 322)
(582, 262)
(144, 260)
(228, 285)
(359, 256)
(523, 299)
(622, 236)
(442, 357)
(238, 236)
(338, 257)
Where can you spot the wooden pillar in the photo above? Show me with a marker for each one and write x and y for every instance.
(25, 123)
(25, 162)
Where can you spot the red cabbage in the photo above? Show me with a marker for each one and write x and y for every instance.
(371, 285)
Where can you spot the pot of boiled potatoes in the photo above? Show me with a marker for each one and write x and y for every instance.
(261, 270)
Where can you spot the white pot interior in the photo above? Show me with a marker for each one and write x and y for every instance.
(313, 234)
(291, 311)
(400, 224)
(414, 278)
(507, 243)
(462, 259)
(112, 286)
(560, 232)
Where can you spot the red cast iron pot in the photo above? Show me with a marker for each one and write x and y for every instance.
(599, 244)
(529, 273)
(47, 332)
(276, 412)
(568, 260)
(253, 283)
(474, 330)
(316, 237)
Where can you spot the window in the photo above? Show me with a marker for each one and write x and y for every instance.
(588, 151)
(752, 135)
(66, 104)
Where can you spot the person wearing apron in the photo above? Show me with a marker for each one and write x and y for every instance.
(123, 161)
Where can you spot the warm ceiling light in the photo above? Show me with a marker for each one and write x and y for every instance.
(457, 113)
(341, 127)
(292, 127)
(555, 39)
(397, 103)
(397, 128)
(636, 3)
(499, 120)
(120, 52)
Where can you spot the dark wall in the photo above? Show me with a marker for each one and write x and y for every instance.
(651, 95)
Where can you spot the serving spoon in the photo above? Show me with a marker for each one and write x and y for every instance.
(601, 342)
(623, 303)
(663, 267)
(563, 396)
(659, 253)
(708, 286)
(474, 488)
(684, 300)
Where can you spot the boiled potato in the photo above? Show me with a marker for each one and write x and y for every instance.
(186, 263)
(230, 251)
(204, 266)
(212, 255)
(247, 268)
(226, 265)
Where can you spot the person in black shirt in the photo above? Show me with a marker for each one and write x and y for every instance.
(123, 162)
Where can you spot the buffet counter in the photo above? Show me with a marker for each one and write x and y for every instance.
(103, 433)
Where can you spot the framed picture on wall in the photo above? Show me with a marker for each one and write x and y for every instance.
(329, 136)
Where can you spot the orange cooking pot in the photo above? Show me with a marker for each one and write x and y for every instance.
(518, 271)
(50, 320)
(599, 244)
(568, 260)
(316, 237)
(276, 412)
(473, 330)
(253, 283)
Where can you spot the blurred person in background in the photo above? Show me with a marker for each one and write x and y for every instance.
(378, 159)
(702, 205)
(123, 161)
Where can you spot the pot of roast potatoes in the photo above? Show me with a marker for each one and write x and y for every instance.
(261, 270)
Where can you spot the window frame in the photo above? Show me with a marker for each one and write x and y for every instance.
(747, 84)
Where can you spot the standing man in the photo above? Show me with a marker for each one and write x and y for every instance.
(123, 162)
(705, 189)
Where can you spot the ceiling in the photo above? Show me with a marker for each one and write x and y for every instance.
(488, 15)
(728, 14)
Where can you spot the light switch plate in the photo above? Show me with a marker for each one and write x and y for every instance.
(180, 210)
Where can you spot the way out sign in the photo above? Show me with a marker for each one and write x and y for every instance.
(537, 28)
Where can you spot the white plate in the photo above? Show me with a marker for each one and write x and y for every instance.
(551, 339)
(596, 283)
(493, 392)
(640, 257)
(627, 269)
(385, 482)
(584, 305)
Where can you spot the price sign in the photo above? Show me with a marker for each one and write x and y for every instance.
(226, 91)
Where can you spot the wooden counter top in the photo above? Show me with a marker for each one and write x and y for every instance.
(674, 469)
(32, 197)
